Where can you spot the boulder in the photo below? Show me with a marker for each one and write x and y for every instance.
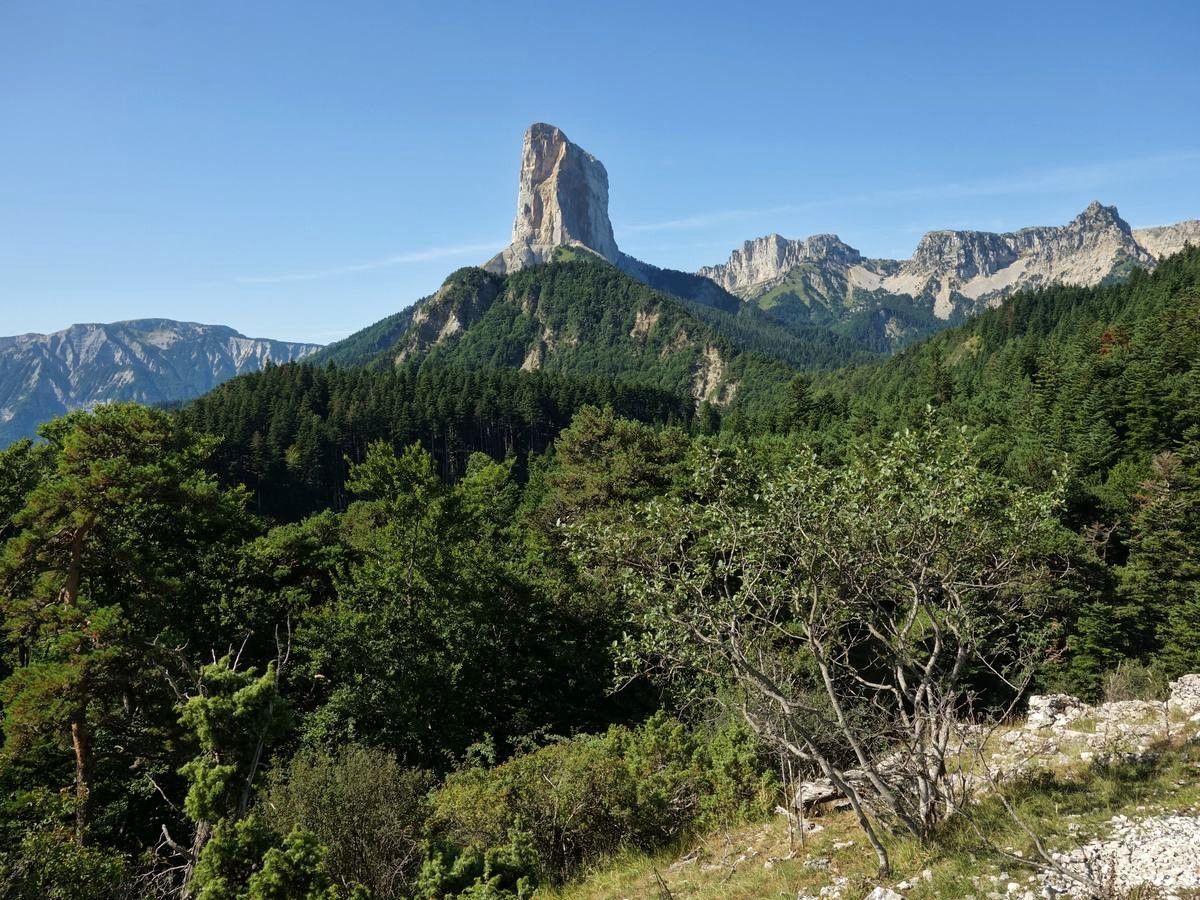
(1185, 695)
(1054, 710)
(816, 793)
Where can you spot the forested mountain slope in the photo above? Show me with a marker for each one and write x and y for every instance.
(1104, 374)
(584, 317)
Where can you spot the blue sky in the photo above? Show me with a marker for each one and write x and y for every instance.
(298, 169)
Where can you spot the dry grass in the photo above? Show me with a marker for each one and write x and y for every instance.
(1066, 807)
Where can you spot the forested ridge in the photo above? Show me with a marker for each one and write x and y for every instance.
(451, 629)
(290, 433)
(585, 313)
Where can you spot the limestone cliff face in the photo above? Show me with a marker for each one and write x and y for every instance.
(954, 272)
(763, 263)
(562, 201)
(1165, 240)
(961, 271)
(148, 360)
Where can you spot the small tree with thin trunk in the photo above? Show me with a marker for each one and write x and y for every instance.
(854, 614)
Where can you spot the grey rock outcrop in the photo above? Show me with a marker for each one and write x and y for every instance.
(1185, 697)
(761, 264)
(954, 272)
(1157, 852)
(1163, 240)
(147, 360)
(562, 201)
(1053, 710)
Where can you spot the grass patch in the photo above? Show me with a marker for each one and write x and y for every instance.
(759, 861)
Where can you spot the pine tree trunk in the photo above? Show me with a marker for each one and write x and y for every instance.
(81, 738)
(81, 743)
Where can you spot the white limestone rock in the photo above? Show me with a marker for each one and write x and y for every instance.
(1053, 710)
(955, 271)
(562, 201)
(1185, 695)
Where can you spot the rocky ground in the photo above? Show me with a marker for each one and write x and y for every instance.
(1126, 832)
(1159, 851)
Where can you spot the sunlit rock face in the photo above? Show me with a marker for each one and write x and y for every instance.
(562, 201)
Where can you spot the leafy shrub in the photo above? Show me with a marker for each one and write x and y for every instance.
(246, 860)
(48, 864)
(581, 800)
(40, 859)
(361, 804)
(507, 872)
(230, 859)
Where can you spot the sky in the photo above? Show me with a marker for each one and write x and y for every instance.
(299, 170)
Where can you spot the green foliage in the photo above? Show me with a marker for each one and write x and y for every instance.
(581, 800)
(245, 860)
(442, 613)
(41, 860)
(230, 858)
(602, 461)
(505, 872)
(291, 432)
(1099, 381)
(232, 719)
(362, 805)
(294, 871)
(1161, 580)
(116, 552)
(22, 466)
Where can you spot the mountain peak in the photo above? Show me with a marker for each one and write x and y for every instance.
(763, 262)
(562, 201)
(1097, 215)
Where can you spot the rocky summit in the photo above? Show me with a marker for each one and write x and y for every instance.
(950, 273)
(562, 201)
(147, 360)
(562, 205)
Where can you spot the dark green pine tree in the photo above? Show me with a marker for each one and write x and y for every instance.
(1162, 575)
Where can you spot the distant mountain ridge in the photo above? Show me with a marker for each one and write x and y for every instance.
(951, 274)
(146, 360)
(562, 202)
(806, 304)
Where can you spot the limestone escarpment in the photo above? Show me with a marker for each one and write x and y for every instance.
(1164, 240)
(953, 272)
(760, 264)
